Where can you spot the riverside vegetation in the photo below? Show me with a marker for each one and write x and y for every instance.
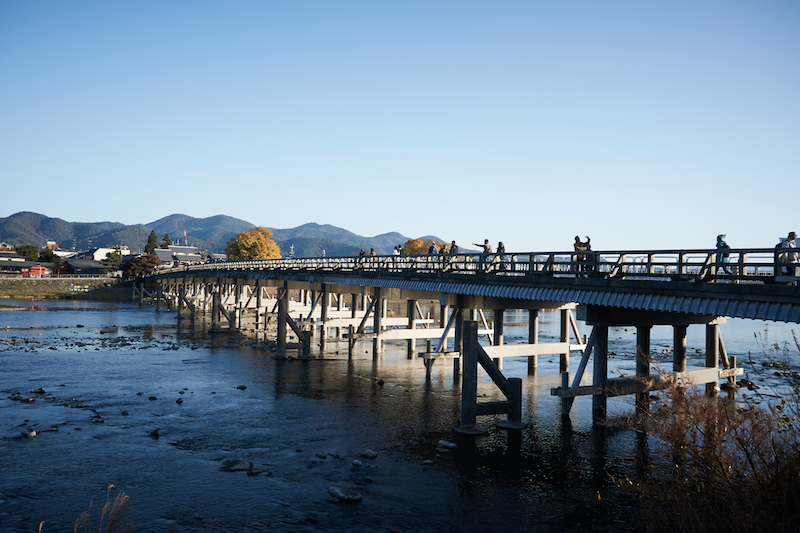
(729, 461)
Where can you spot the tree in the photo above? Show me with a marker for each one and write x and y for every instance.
(112, 260)
(28, 251)
(140, 266)
(152, 242)
(47, 255)
(419, 246)
(253, 245)
(166, 242)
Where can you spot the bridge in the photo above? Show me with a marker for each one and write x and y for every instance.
(308, 296)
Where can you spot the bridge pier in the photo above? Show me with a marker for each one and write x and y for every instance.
(644, 382)
(533, 338)
(643, 364)
(411, 313)
(379, 310)
(475, 355)
(600, 370)
(497, 339)
(712, 355)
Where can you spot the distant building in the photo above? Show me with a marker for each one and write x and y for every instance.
(5, 247)
(175, 255)
(12, 262)
(86, 267)
(98, 254)
(65, 254)
(10, 256)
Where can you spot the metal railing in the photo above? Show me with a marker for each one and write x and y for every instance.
(755, 265)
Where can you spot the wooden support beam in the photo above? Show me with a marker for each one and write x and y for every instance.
(411, 314)
(485, 324)
(448, 330)
(303, 336)
(642, 364)
(629, 385)
(529, 350)
(377, 325)
(600, 370)
(564, 323)
(283, 304)
(712, 355)
(469, 380)
(533, 338)
(498, 335)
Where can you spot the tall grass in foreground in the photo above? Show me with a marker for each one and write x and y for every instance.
(734, 464)
(114, 517)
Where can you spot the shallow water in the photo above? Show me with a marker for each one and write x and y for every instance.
(115, 379)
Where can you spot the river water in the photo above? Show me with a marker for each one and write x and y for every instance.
(112, 374)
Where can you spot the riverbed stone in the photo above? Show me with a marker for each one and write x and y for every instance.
(236, 465)
(345, 497)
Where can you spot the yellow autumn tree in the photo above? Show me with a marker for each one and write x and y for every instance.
(253, 245)
(419, 246)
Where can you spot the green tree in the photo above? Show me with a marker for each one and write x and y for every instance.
(28, 251)
(255, 244)
(47, 255)
(112, 260)
(140, 266)
(166, 242)
(152, 242)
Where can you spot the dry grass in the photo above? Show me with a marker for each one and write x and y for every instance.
(114, 516)
(733, 464)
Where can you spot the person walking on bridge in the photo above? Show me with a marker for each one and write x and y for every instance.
(501, 254)
(723, 253)
(790, 257)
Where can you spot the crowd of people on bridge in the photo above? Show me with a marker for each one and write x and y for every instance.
(489, 259)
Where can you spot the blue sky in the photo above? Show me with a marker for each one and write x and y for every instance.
(641, 124)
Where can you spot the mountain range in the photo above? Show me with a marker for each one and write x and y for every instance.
(209, 234)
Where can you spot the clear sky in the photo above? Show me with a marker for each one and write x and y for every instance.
(640, 124)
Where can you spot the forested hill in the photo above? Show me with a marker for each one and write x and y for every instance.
(209, 234)
(311, 240)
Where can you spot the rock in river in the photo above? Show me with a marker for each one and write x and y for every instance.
(347, 497)
(236, 465)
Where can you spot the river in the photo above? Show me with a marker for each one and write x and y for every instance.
(113, 374)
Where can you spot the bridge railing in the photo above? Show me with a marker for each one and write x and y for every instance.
(756, 265)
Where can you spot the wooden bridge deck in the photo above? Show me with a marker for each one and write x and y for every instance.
(753, 283)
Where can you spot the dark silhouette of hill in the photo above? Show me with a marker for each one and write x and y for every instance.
(209, 234)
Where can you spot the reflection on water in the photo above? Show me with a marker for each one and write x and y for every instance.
(115, 373)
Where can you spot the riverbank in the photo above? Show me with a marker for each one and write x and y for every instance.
(94, 289)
